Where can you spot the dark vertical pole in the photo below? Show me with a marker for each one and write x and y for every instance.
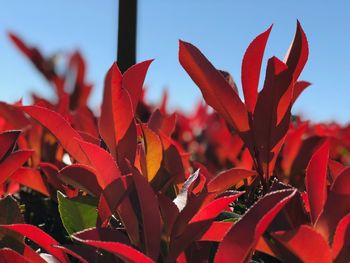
(127, 34)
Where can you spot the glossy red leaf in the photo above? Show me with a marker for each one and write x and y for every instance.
(121, 250)
(12, 163)
(82, 177)
(299, 87)
(341, 241)
(305, 243)
(106, 122)
(31, 178)
(7, 142)
(71, 253)
(298, 53)
(60, 128)
(251, 66)
(268, 132)
(337, 206)
(40, 237)
(10, 256)
(215, 89)
(227, 179)
(102, 161)
(214, 208)
(150, 215)
(15, 118)
(242, 238)
(110, 198)
(133, 80)
(217, 231)
(120, 99)
(335, 168)
(316, 180)
(169, 212)
(292, 146)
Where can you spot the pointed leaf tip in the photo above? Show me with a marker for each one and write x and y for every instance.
(251, 66)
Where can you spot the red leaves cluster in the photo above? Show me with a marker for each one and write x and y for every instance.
(240, 183)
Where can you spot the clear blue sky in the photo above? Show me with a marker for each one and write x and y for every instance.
(221, 29)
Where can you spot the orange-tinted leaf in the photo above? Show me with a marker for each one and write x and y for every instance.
(251, 66)
(154, 152)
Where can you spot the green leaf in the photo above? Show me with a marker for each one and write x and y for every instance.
(77, 213)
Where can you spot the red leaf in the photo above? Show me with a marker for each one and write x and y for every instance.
(214, 208)
(240, 241)
(336, 207)
(81, 177)
(316, 180)
(341, 242)
(298, 53)
(113, 82)
(169, 212)
(121, 250)
(71, 253)
(40, 237)
(215, 89)
(133, 79)
(299, 87)
(10, 256)
(120, 99)
(227, 179)
(251, 66)
(12, 163)
(60, 128)
(217, 231)
(292, 146)
(7, 142)
(30, 178)
(306, 244)
(15, 118)
(335, 168)
(268, 131)
(103, 163)
(150, 215)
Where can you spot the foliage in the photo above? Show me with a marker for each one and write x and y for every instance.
(246, 183)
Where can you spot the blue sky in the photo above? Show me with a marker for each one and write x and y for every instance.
(221, 29)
